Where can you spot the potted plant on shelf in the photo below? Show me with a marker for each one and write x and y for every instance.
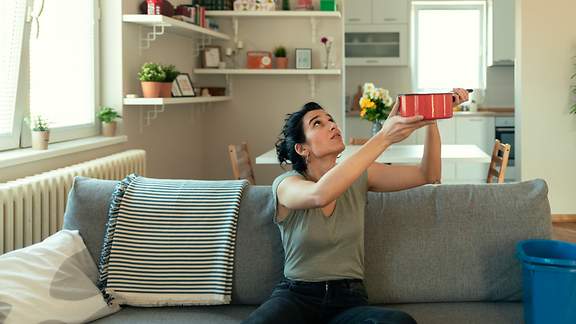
(108, 118)
(281, 59)
(151, 77)
(171, 74)
(40, 132)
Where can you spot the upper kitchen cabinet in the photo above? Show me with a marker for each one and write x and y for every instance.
(376, 32)
(358, 12)
(366, 12)
(501, 32)
(376, 45)
(390, 11)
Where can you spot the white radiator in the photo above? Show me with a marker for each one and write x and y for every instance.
(32, 208)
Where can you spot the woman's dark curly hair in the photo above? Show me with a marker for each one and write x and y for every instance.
(292, 134)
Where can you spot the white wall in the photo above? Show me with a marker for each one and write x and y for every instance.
(545, 47)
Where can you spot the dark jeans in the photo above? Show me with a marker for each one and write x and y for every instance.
(336, 301)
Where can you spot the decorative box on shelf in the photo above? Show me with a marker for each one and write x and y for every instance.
(259, 60)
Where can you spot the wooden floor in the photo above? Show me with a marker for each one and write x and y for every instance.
(564, 231)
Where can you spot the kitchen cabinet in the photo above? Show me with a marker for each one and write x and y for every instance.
(376, 45)
(478, 131)
(376, 32)
(358, 12)
(501, 30)
(363, 12)
(390, 11)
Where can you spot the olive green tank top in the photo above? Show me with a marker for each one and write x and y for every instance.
(320, 248)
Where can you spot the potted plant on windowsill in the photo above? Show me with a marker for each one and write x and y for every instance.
(108, 118)
(281, 59)
(151, 77)
(171, 74)
(40, 132)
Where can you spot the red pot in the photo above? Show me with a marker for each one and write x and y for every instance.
(429, 105)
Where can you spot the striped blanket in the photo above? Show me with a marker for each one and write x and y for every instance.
(170, 242)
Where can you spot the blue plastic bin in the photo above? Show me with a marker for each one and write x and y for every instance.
(549, 278)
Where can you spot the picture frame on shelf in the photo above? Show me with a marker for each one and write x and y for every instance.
(185, 85)
(303, 58)
(176, 90)
(211, 56)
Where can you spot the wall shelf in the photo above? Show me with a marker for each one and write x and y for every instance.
(174, 26)
(157, 105)
(269, 71)
(312, 15)
(279, 13)
(173, 101)
(310, 73)
(162, 24)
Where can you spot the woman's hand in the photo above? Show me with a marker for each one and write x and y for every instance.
(396, 128)
(461, 96)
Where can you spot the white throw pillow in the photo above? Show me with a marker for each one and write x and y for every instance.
(51, 282)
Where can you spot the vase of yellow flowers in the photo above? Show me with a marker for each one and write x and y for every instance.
(375, 106)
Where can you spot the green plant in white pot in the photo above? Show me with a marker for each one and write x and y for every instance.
(40, 132)
(152, 77)
(108, 118)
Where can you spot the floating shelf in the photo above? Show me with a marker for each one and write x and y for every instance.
(279, 13)
(269, 71)
(173, 101)
(174, 26)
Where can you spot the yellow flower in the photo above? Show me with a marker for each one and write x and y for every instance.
(362, 112)
(366, 103)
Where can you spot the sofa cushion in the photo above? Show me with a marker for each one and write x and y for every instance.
(51, 282)
(221, 314)
(451, 243)
(469, 313)
(428, 313)
(87, 211)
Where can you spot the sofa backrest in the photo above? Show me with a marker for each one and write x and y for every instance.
(434, 243)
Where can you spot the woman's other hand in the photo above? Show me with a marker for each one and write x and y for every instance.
(461, 95)
(397, 128)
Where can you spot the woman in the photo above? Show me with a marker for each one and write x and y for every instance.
(320, 214)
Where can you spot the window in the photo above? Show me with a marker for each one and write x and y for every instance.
(57, 75)
(449, 48)
(12, 15)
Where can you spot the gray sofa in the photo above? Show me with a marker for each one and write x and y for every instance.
(442, 253)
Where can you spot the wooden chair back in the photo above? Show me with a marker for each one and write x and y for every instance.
(498, 160)
(241, 163)
(357, 141)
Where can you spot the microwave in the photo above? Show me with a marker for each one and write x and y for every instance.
(370, 45)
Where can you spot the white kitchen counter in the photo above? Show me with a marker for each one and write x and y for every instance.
(405, 154)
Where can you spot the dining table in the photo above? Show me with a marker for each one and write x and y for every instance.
(405, 154)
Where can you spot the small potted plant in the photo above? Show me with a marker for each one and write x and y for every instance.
(281, 59)
(40, 132)
(108, 118)
(151, 77)
(171, 74)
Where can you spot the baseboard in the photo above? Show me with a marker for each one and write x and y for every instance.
(563, 218)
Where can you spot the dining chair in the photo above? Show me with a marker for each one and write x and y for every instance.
(357, 141)
(241, 163)
(502, 161)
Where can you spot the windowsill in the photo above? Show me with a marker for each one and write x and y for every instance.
(19, 156)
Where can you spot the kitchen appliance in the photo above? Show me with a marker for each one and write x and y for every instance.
(504, 132)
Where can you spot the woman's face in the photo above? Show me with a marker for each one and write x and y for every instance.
(322, 134)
